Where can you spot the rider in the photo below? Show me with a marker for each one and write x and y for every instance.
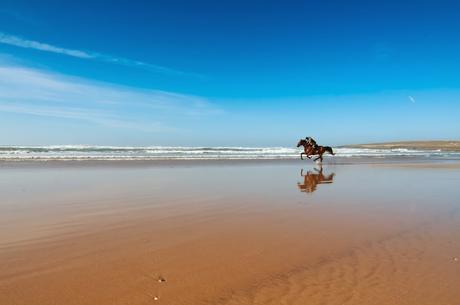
(311, 142)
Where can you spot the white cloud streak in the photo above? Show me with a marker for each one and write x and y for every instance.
(31, 44)
(34, 92)
(91, 116)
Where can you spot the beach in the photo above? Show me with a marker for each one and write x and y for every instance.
(356, 231)
(229, 152)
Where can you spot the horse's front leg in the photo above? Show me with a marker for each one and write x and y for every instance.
(301, 156)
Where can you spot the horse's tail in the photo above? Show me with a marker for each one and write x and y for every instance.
(329, 150)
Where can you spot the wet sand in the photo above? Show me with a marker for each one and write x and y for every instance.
(230, 233)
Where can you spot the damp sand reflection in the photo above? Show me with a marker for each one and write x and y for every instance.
(311, 179)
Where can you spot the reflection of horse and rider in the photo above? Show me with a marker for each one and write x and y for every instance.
(311, 148)
(311, 180)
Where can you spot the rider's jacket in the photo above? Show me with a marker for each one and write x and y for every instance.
(312, 142)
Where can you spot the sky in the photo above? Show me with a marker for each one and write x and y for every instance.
(228, 73)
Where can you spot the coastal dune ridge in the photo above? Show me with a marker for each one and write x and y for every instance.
(445, 145)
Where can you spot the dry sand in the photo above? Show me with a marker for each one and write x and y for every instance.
(231, 234)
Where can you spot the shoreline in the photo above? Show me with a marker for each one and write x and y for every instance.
(328, 161)
(159, 153)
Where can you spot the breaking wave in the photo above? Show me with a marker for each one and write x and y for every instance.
(86, 152)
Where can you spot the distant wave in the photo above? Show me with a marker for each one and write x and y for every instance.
(87, 152)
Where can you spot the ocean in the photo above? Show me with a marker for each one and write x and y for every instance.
(88, 152)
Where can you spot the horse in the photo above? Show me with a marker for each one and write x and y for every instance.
(310, 150)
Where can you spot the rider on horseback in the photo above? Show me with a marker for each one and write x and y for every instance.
(311, 148)
(312, 142)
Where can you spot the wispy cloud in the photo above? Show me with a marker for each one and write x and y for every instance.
(30, 44)
(36, 45)
(40, 93)
(412, 99)
(81, 114)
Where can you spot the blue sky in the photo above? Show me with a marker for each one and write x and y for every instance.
(250, 73)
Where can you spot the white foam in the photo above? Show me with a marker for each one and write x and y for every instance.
(92, 152)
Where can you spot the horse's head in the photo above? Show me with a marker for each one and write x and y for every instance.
(302, 142)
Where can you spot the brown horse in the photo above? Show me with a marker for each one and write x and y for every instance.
(310, 150)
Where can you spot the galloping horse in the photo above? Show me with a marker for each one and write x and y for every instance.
(309, 150)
